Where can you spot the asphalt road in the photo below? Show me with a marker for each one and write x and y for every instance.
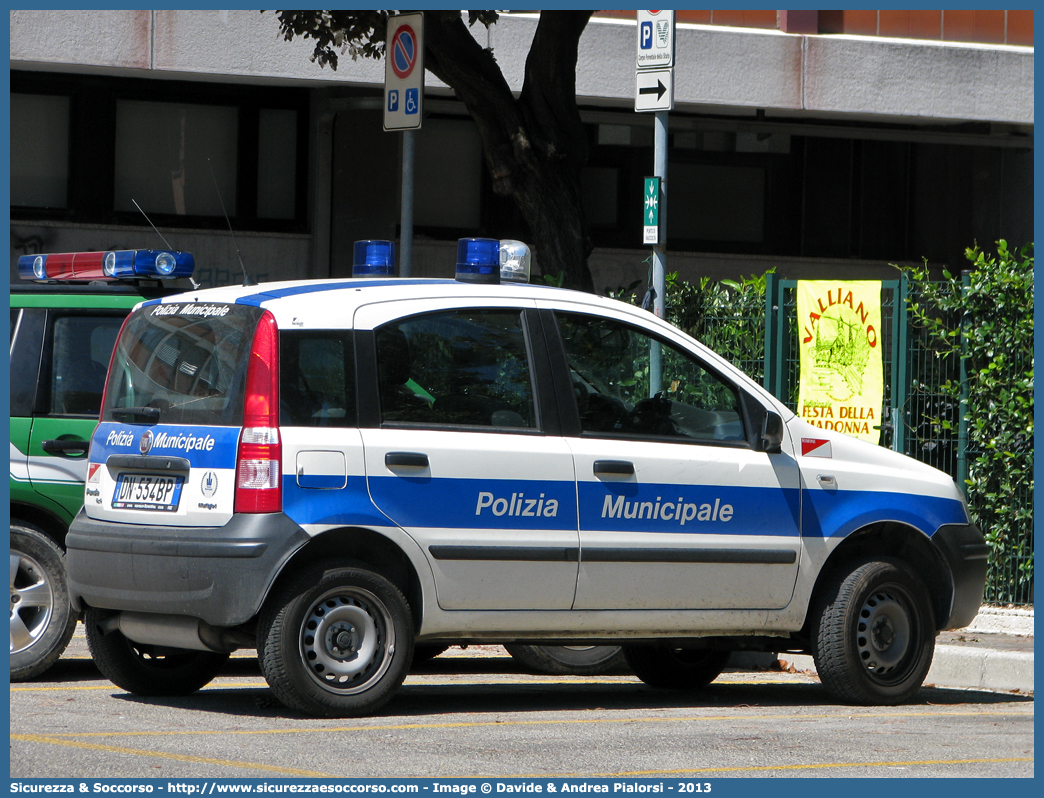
(473, 713)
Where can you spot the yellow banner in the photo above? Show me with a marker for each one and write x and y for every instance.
(842, 368)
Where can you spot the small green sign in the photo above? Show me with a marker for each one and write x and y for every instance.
(651, 211)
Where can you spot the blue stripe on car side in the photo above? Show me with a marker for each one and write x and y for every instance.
(309, 288)
(350, 505)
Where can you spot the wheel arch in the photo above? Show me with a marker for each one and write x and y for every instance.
(899, 541)
(43, 520)
(366, 548)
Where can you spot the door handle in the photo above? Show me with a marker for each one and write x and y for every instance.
(618, 467)
(65, 448)
(406, 460)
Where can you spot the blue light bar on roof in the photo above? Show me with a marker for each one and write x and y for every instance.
(373, 258)
(125, 264)
(478, 260)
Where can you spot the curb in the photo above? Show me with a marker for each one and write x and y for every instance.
(997, 620)
(982, 668)
(965, 667)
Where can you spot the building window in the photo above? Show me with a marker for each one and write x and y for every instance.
(448, 181)
(39, 151)
(276, 164)
(85, 149)
(175, 159)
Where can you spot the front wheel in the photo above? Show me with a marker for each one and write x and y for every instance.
(874, 634)
(145, 669)
(670, 668)
(42, 620)
(336, 643)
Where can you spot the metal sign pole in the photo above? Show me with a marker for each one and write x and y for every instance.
(406, 219)
(404, 110)
(660, 248)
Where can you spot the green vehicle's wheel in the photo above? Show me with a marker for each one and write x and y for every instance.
(676, 668)
(42, 620)
(578, 660)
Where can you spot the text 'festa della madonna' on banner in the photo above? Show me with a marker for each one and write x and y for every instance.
(842, 368)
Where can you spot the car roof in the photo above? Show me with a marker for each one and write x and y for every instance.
(305, 304)
(348, 294)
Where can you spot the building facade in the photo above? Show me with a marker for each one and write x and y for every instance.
(821, 144)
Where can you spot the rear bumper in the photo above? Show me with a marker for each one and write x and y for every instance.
(964, 549)
(220, 574)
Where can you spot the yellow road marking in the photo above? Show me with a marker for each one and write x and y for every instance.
(52, 740)
(203, 760)
(506, 723)
(757, 768)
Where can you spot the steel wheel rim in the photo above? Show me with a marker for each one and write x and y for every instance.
(884, 633)
(347, 640)
(32, 601)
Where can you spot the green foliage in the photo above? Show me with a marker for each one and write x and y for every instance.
(986, 321)
(554, 279)
(355, 33)
(728, 316)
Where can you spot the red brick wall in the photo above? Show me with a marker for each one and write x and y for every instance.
(986, 27)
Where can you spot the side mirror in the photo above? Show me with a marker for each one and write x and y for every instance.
(772, 433)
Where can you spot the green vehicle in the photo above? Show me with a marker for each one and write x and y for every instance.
(62, 335)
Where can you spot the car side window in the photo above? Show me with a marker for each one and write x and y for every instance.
(629, 383)
(461, 367)
(316, 378)
(82, 347)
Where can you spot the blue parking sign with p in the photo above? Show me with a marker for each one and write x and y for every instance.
(646, 40)
(393, 100)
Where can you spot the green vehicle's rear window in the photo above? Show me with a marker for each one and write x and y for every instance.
(186, 360)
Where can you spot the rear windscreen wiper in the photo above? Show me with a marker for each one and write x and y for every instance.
(150, 414)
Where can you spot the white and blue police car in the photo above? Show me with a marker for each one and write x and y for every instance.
(335, 471)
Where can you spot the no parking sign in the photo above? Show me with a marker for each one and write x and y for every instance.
(404, 72)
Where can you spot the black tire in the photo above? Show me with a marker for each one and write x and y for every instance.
(563, 660)
(42, 620)
(670, 668)
(426, 651)
(145, 669)
(336, 643)
(873, 633)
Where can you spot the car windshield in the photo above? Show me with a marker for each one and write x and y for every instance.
(182, 363)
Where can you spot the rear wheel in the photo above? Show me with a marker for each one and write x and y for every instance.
(874, 633)
(145, 669)
(336, 643)
(676, 668)
(578, 660)
(42, 620)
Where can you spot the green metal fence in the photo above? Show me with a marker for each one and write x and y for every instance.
(757, 330)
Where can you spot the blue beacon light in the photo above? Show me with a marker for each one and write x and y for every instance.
(374, 258)
(478, 260)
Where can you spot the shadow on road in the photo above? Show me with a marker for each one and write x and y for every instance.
(414, 703)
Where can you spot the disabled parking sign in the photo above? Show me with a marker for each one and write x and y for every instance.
(404, 72)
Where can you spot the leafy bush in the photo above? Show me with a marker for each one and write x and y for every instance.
(727, 316)
(986, 320)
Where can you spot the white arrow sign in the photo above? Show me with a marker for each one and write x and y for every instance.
(654, 90)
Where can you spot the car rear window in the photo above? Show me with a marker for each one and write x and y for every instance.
(185, 360)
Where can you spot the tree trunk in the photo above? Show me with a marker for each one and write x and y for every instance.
(535, 147)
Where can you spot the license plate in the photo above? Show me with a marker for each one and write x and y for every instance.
(147, 492)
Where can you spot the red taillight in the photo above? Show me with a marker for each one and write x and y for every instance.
(258, 486)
